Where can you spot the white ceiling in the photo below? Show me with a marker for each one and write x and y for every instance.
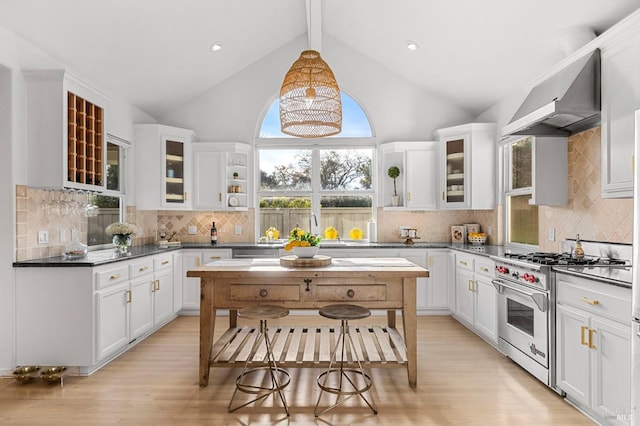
(156, 53)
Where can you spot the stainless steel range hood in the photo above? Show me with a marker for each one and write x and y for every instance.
(566, 102)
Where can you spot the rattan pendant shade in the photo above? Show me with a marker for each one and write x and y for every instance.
(310, 105)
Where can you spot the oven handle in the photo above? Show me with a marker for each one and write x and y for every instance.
(540, 299)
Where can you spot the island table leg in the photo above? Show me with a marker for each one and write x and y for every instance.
(207, 325)
(409, 323)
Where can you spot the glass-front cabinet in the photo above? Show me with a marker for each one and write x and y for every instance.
(163, 167)
(174, 164)
(467, 166)
(454, 190)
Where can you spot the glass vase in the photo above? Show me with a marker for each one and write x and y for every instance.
(121, 243)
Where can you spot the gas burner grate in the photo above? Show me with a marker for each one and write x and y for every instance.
(543, 258)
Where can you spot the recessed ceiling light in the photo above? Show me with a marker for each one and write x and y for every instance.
(411, 45)
(216, 46)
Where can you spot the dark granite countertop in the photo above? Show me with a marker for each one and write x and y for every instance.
(95, 258)
(616, 275)
(100, 257)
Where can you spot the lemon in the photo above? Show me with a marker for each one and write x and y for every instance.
(331, 233)
(355, 234)
(275, 233)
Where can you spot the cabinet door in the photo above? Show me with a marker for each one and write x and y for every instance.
(454, 185)
(421, 177)
(486, 310)
(465, 297)
(162, 296)
(611, 367)
(177, 281)
(141, 307)
(437, 285)
(190, 286)
(176, 173)
(620, 98)
(209, 191)
(572, 353)
(112, 320)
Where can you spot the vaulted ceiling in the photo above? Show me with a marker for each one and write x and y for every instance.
(156, 54)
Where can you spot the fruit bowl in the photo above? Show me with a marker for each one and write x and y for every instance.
(477, 241)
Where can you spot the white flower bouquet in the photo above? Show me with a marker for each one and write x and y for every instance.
(121, 228)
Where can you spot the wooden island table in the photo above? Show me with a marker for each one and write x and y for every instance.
(376, 283)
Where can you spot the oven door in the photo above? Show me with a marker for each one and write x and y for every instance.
(523, 319)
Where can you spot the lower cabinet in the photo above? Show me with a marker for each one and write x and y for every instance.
(92, 313)
(432, 293)
(593, 347)
(194, 258)
(475, 296)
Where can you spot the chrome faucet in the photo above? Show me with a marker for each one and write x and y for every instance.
(315, 220)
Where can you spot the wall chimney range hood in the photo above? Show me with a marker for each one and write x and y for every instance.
(565, 103)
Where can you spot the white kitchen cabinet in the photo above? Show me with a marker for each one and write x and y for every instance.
(89, 315)
(222, 176)
(467, 166)
(163, 173)
(593, 347)
(620, 98)
(416, 186)
(194, 258)
(476, 298)
(112, 321)
(70, 116)
(433, 292)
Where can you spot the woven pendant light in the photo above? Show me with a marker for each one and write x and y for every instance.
(310, 105)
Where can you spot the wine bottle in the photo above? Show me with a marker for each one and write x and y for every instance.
(214, 234)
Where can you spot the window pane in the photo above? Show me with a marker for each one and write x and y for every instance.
(345, 213)
(113, 167)
(102, 211)
(355, 123)
(284, 214)
(345, 169)
(285, 169)
(521, 163)
(522, 220)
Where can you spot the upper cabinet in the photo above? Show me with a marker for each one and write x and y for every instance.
(620, 98)
(163, 173)
(65, 132)
(221, 176)
(416, 186)
(467, 166)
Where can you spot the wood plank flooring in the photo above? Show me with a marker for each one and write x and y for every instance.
(461, 381)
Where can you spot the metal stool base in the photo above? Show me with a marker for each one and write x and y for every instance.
(343, 394)
(279, 377)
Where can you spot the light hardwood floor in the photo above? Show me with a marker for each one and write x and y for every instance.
(461, 381)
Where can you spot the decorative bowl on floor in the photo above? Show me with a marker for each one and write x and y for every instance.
(305, 252)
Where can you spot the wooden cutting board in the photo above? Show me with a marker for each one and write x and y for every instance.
(294, 261)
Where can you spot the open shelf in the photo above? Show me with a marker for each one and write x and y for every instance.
(85, 141)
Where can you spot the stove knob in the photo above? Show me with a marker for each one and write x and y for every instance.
(516, 275)
(530, 278)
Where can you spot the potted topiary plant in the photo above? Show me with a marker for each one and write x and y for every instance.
(393, 173)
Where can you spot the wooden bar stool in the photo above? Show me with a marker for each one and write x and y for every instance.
(278, 377)
(356, 381)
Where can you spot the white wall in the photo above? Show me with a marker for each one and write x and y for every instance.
(15, 55)
(397, 109)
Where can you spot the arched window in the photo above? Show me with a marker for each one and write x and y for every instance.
(354, 121)
(325, 186)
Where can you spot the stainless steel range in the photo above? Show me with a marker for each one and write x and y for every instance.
(526, 306)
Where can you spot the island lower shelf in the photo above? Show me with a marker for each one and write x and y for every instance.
(302, 346)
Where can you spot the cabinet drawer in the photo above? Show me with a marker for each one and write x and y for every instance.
(261, 292)
(353, 293)
(464, 261)
(111, 276)
(162, 261)
(598, 298)
(484, 267)
(143, 267)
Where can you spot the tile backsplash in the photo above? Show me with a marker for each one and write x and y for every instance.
(586, 213)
